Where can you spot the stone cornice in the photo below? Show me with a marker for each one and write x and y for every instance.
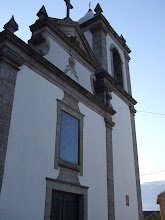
(50, 24)
(50, 72)
(105, 79)
(9, 56)
(108, 122)
(127, 56)
(98, 26)
(101, 17)
(132, 109)
(81, 35)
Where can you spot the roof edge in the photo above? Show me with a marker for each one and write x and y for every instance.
(109, 28)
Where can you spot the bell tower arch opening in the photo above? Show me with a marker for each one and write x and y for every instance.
(117, 66)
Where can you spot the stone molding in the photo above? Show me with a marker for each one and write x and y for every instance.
(40, 43)
(70, 106)
(132, 110)
(136, 163)
(51, 25)
(48, 71)
(99, 26)
(51, 73)
(128, 76)
(109, 30)
(109, 123)
(82, 191)
(68, 176)
(127, 56)
(11, 57)
(112, 46)
(72, 52)
(9, 65)
(110, 179)
(56, 34)
(99, 45)
(103, 91)
(104, 80)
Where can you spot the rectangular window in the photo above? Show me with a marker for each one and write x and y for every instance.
(127, 200)
(69, 135)
(69, 140)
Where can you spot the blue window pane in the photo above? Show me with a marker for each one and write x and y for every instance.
(69, 138)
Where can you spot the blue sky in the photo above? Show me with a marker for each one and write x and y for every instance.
(142, 23)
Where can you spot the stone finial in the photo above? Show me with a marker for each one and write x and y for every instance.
(122, 38)
(11, 26)
(42, 13)
(98, 9)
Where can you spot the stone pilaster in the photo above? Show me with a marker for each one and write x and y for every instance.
(100, 45)
(102, 88)
(9, 63)
(138, 188)
(110, 181)
(128, 74)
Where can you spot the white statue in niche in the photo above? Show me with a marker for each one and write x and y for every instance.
(71, 67)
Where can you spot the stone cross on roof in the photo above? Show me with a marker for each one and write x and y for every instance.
(69, 6)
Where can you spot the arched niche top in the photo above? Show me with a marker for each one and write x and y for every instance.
(116, 63)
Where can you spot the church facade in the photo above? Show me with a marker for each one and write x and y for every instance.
(68, 144)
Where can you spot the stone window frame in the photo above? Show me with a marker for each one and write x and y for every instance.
(70, 106)
(81, 191)
(122, 63)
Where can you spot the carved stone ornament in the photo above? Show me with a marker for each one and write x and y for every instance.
(74, 39)
(42, 13)
(98, 9)
(108, 98)
(123, 39)
(68, 175)
(11, 26)
(71, 67)
(40, 42)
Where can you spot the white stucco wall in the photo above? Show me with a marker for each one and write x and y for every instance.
(109, 42)
(94, 164)
(123, 160)
(59, 57)
(88, 36)
(31, 148)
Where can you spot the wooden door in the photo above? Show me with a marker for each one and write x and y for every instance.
(64, 206)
